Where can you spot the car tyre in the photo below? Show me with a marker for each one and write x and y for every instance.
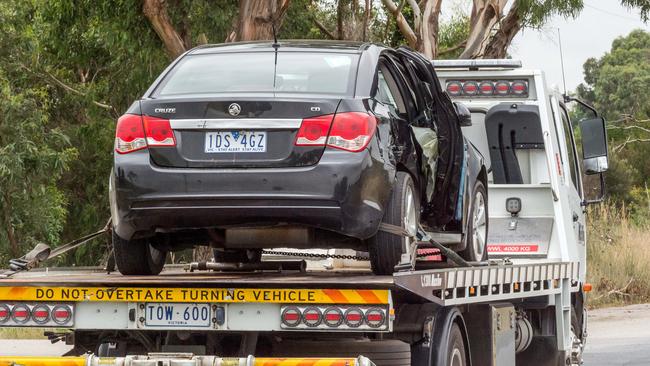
(403, 210)
(456, 354)
(477, 226)
(137, 257)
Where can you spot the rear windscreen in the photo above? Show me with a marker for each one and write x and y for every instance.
(296, 72)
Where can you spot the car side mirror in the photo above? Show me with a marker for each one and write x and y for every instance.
(464, 115)
(594, 146)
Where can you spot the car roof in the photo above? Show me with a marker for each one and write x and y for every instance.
(291, 45)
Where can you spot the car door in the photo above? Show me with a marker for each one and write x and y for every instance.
(441, 211)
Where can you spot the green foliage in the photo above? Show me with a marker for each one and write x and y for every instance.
(535, 13)
(451, 34)
(33, 156)
(617, 84)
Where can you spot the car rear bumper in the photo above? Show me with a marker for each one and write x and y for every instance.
(344, 193)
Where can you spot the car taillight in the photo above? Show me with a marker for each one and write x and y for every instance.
(61, 314)
(487, 88)
(313, 131)
(136, 132)
(129, 134)
(352, 131)
(20, 314)
(158, 132)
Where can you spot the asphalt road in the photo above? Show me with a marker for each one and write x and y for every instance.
(617, 337)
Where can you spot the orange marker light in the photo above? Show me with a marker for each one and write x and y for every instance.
(586, 287)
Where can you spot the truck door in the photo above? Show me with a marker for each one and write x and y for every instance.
(572, 181)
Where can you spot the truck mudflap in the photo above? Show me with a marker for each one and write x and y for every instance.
(176, 359)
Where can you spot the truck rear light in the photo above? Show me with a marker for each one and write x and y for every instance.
(312, 317)
(354, 318)
(519, 88)
(291, 316)
(486, 88)
(61, 314)
(502, 88)
(40, 314)
(352, 131)
(454, 88)
(313, 131)
(20, 314)
(333, 317)
(158, 132)
(470, 88)
(5, 313)
(375, 318)
(129, 134)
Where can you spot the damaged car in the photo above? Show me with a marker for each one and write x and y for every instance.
(301, 144)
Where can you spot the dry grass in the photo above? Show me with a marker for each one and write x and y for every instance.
(618, 258)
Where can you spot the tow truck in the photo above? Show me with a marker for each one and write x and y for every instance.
(524, 306)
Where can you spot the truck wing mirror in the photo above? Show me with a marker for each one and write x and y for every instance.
(594, 145)
(464, 115)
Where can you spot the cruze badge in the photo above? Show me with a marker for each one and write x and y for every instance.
(234, 109)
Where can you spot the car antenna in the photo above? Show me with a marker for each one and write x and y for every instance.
(275, 46)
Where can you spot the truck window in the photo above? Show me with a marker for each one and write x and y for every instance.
(571, 149)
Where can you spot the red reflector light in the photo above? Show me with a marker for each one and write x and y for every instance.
(454, 88)
(375, 318)
(502, 88)
(313, 131)
(354, 318)
(291, 316)
(129, 134)
(312, 317)
(61, 314)
(40, 314)
(159, 132)
(519, 87)
(5, 313)
(352, 131)
(333, 317)
(486, 88)
(470, 88)
(20, 314)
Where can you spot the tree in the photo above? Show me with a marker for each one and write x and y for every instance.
(493, 24)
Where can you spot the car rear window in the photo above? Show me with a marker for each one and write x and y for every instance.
(296, 72)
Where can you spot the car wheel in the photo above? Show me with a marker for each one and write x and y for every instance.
(477, 226)
(137, 257)
(456, 354)
(403, 210)
(237, 256)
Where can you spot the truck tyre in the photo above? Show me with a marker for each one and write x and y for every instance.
(137, 257)
(456, 355)
(381, 353)
(403, 210)
(477, 226)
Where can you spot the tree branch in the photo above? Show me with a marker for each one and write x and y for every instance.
(402, 24)
(324, 29)
(156, 12)
(453, 48)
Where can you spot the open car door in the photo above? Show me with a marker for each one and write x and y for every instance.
(441, 210)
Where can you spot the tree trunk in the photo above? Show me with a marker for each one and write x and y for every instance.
(257, 18)
(156, 12)
(428, 43)
(9, 228)
(501, 40)
(485, 15)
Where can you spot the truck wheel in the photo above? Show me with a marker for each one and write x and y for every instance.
(403, 210)
(388, 352)
(477, 226)
(137, 257)
(456, 355)
(237, 256)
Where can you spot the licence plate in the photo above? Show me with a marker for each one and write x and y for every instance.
(235, 141)
(177, 315)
